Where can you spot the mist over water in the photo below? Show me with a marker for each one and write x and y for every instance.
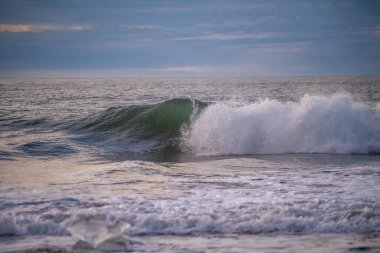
(143, 163)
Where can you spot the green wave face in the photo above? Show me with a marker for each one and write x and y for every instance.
(160, 122)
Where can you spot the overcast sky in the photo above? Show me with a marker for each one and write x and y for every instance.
(188, 38)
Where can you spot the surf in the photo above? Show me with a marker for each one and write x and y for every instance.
(315, 124)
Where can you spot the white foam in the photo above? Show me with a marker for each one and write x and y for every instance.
(93, 228)
(204, 216)
(315, 124)
(287, 199)
(12, 225)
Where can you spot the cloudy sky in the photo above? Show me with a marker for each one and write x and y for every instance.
(44, 38)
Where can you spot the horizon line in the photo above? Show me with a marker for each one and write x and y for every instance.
(175, 77)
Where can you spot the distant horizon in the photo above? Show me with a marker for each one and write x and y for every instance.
(184, 77)
(157, 74)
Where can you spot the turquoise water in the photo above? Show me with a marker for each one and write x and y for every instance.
(231, 164)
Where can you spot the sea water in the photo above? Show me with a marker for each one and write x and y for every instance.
(285, 164)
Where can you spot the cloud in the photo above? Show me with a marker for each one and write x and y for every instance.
(141, 27)
(295, 47)
(189, 69)
(19, 28)
(15, 28)
(224, 36)
(80, 27)
(207, 7)
(377, 31)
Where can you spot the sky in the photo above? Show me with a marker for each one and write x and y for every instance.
(133, 38)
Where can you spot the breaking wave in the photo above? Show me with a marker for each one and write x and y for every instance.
(315, 124)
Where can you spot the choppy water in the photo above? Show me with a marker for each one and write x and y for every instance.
(190, 165)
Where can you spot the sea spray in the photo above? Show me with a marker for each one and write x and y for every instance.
(315, 124)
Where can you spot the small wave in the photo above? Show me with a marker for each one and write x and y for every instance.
(4, 155)
(315, 124)
(47, 148)
(15, 123)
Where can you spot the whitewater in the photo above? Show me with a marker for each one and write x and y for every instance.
(315, 124)
(285, 164)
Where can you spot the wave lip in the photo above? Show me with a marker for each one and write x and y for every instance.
(315, 124)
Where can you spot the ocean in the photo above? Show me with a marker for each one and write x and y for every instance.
(284, 164)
